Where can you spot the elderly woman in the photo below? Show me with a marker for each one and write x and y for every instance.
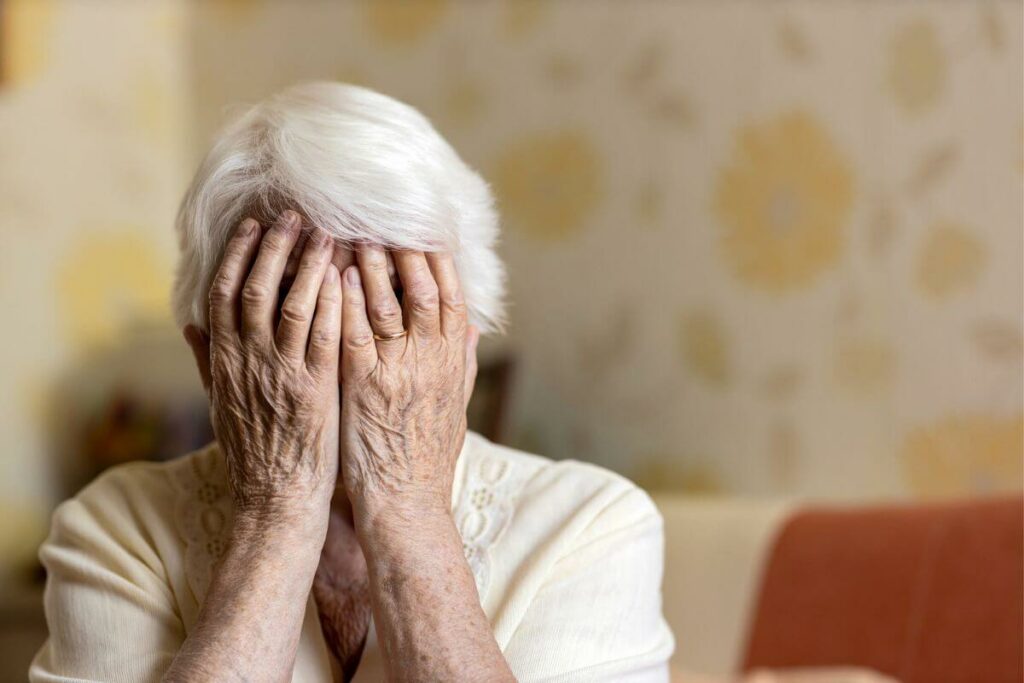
(337, 269)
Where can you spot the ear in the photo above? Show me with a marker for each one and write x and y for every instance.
(472, 339)
(199, 342)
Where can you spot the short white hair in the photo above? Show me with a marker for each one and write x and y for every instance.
(362, 166)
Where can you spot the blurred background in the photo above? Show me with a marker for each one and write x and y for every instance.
(762, 250)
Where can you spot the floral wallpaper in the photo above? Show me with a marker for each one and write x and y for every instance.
(757, 248)
(784, 203)
(92, 119)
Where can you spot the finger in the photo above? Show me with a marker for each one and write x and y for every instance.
(259, 294)
(358, 351)
(325, 336)
(472, 338)
(381, 302)
(228, 281)
(291, 266)
(199, 342)
(452, 302)
(301, 302)
(419, 293)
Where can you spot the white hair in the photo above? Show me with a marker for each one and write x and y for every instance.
(362, 166)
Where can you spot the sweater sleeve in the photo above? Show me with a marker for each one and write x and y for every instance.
(110, 612)
(598, 617)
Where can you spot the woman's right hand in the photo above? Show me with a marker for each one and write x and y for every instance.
(274, 392)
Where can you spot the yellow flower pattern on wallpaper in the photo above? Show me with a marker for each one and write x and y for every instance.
(704, 347)
(25, 27)
(643, 226)
(522, 16)
(783, 203)
(403, 21)
(110, 280)
(548, 184)
(917, 67)
(951, 260)
(864, 366)
(969, 453)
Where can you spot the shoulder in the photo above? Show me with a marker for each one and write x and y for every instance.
(568, 490)
(564, 554)
(127, 516)
(516, 510)
(117, 501)
(142, 492)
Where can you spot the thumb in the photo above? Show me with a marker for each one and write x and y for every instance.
(199, 342)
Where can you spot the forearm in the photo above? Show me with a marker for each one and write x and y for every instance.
(249, 626)
(425, 605)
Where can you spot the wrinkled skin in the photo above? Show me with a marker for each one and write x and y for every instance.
(403, 416)
(276, 408)
(273, 394)
(274, 405)
(383, 426)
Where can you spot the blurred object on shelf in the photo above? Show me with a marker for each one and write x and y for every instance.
(488, 409)
(134, 398)
(130, 427)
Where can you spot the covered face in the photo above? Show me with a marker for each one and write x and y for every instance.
(362, 166)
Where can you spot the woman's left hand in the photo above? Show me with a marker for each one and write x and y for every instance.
(404, 390)
(403, 422)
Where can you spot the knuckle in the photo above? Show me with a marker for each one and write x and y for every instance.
(424, 307)
(359, 341)
(254, 293)
(275, 241)
(294, 313)
(330, 297)
(322, 337)
(221, 291)
(454, 303)
(386, 312)
(423, 296)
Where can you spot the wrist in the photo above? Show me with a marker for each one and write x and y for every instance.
(282, 524)
(397, 520)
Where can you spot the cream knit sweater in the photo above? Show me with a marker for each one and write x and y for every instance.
(567, 559)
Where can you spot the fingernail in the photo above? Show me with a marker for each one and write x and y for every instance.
(352, 275)
(332, 273)
(247, 227)
(290, 218)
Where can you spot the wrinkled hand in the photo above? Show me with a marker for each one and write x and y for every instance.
(274, 392)
(403, 405)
